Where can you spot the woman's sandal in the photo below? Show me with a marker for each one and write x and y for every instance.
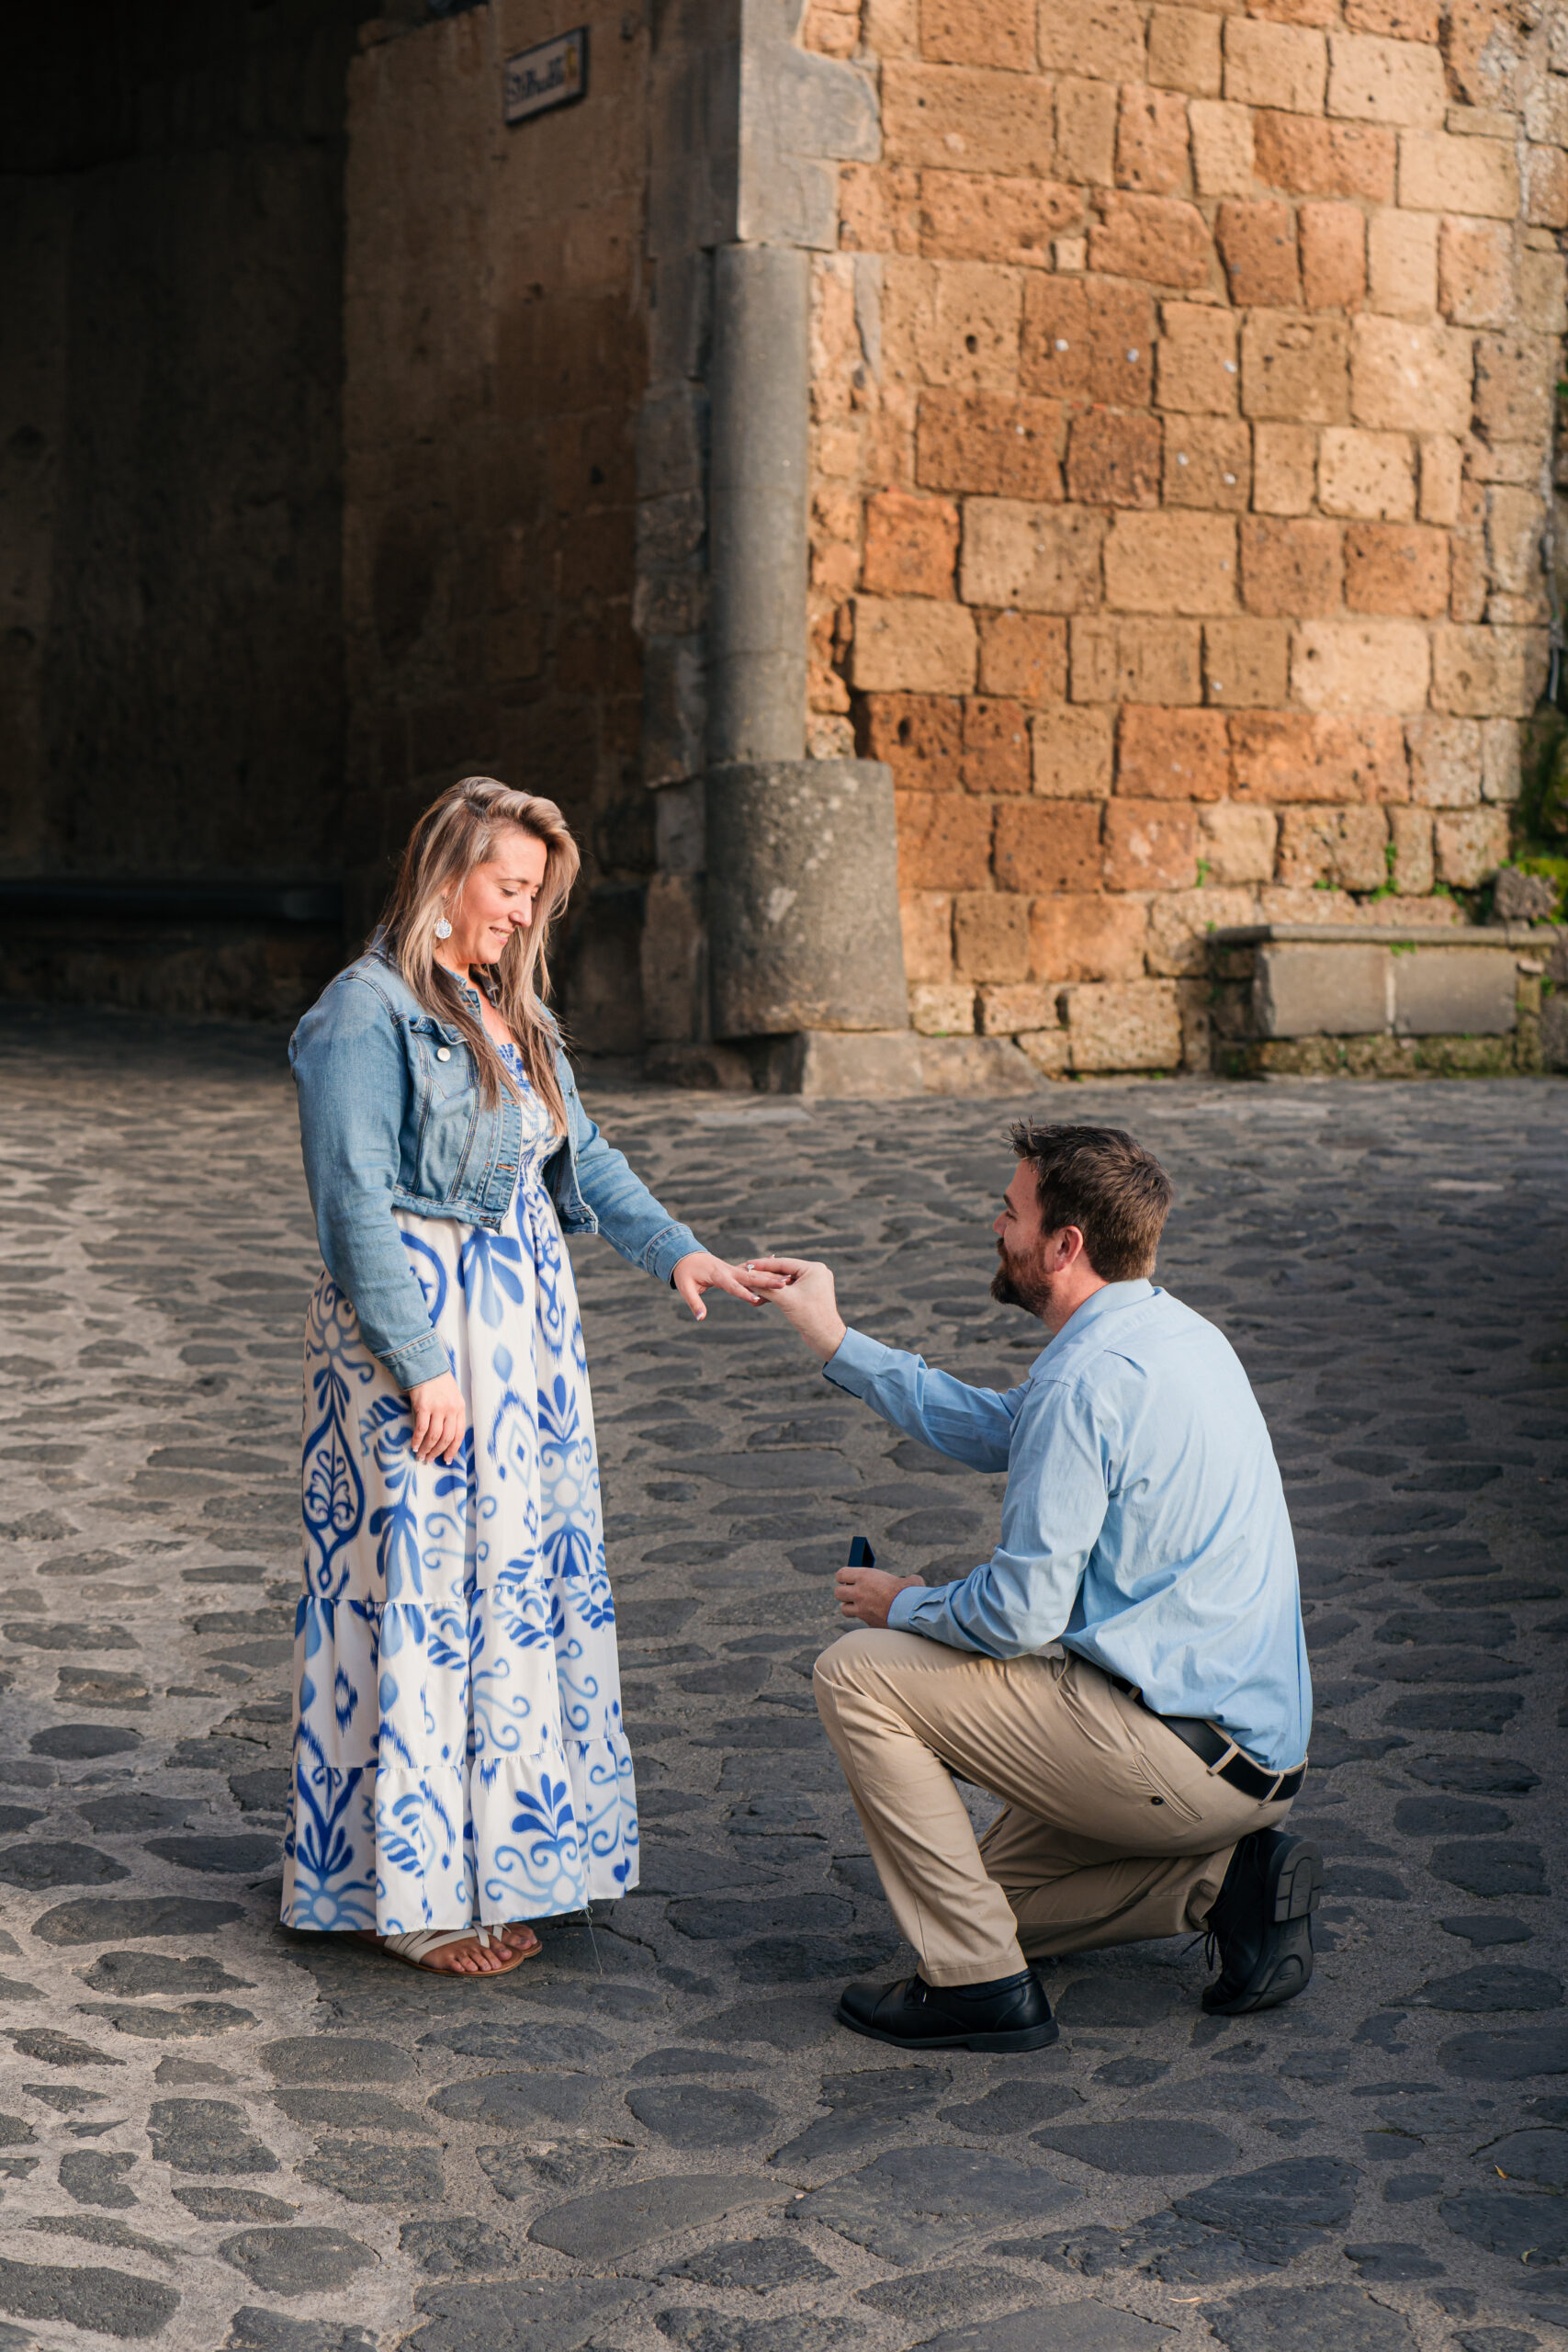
(415, 1949)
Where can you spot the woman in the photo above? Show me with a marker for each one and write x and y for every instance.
(460, 1765)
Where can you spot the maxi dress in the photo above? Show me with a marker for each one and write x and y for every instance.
(459, 1755)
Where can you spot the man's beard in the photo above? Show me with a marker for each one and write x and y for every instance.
(1020, 1282)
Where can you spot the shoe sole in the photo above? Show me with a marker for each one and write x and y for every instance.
(1284, 1966)
(1033, 2037)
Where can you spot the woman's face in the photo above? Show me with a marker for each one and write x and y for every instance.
(496, 900)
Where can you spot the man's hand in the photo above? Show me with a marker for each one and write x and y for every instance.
(868, 1594)
(699, 1270)
(805, 1296)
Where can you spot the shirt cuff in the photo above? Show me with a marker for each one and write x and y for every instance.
(902, 1607)
(857, 1362)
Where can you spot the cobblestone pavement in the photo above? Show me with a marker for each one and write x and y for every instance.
(220, 2135)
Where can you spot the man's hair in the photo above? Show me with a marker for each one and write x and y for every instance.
(1101, 1180)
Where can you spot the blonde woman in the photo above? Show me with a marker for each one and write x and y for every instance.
(460, 1765)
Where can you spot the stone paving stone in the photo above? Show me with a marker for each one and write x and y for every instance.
(1405, 1338)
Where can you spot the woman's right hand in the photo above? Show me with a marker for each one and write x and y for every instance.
(438, 1419)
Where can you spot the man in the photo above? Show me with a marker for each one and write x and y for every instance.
(1127, 1672)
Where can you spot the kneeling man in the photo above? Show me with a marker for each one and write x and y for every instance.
(1127, 1672)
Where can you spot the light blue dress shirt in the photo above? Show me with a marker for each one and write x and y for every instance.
(1144, 1523)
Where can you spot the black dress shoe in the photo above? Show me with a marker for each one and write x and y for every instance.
(1012, 2013)
(1261, 1923)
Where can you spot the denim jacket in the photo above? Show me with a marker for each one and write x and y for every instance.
(390, 1118)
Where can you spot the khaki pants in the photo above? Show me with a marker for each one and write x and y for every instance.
(1114, 1830)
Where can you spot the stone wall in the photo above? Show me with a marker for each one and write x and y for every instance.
(495, 335)
(1182, 421)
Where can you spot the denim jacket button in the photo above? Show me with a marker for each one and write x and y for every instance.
(443, 1053)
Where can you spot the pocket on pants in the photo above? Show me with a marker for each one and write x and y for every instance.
(1163, 1792)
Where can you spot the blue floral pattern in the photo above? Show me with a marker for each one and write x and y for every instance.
(458, 1748)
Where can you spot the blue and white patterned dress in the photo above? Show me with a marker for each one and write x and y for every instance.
(458, 1749)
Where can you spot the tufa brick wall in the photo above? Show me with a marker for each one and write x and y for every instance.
(1182, 395)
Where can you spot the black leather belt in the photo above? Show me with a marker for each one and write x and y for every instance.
(1223, 1757)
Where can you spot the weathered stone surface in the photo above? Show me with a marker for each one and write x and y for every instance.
(760, 2264)
(252, 2329)
(694, 2115)
(334, 2109)
(54, 2049)
(1304, 2319)
(131, 1974)
(196, 2019)
(710, 2331)
(232, 2204)
(206, 2135)
(1499, 1866)
(1520, 2222)
(297, 2261)
(1116, 2001)
(336, 2058)
(43, 1863)
(243, 1856)
(524, 2315)
(1143, 2150)
(1493, 1989)
(915, 2202)
(1277, 2208)
(1014, 2107)
(1086, 2325)
(865, 2106)
(619, 2221)
(73, 1742)
(112, 2302)
(455, 2246)
(93, 2178)
(1508, 2057)
(516, 2102)
(101, 1920)
(927, 2298)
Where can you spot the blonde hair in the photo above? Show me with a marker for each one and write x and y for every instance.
(457, 832)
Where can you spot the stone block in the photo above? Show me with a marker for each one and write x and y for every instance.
(1363, 473)
(1546, 187)
(1543, 292)
(1172, 754)
(1150, 845)
(1161, 240)
(1445, 763)
(1087, 938)
(1023, 654)
(1281, 758)
(1308, 158)
(920, 737)
(1500, 766)
(1048, 1050)
(1488, 672)
(1181, 921)
(991, 936)
(1514, 380)
(1516, 525)
(1113, 459)
(1469, 845)
(1360, 665)
(1441, 478)
(1208, 463)
(1042, 558)
(1048, 845)
(933, 116)
(911, 545)
(1072, 752)
(1342, 847)
(1400, 567)
(914, 644)
(978, 32)
(1409, 378)
(1284, 469)
(996, 444)
(1454, 992)
(1103, 38)
(1094, 660)
(943, 1009)
(1276, 903)
(1257, 239)
(944, 841)
(1170, 563)
(1128, 1024)
(1247, 664)
(1398, 82)
(1198, 370)
(867, 1065)
(1236, 844)
(975, 1066)
(996, 746)
(1155, 662)
(1398, 19)
(1086, 132)
(968, 216)
(1184, 51)
(1334, 990)
(1475, 273)
(1402, 265)
(877, 209)
(1439, 174)
(1087, 338)
(1295, 367)
(1290, 567)
(1333, 241)
(1410, 839)
(927, 919)
(1022, 1005)
(1151, 141)
(1220, 134)
(1275, 66)
(955, 324)
(672, 963)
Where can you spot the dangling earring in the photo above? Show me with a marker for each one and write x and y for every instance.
(443, 928)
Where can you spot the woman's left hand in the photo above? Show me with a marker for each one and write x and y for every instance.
(700, 1271)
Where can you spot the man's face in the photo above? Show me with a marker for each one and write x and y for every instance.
(1021, 1279)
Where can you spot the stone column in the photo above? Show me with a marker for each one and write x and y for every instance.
(798, 909)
